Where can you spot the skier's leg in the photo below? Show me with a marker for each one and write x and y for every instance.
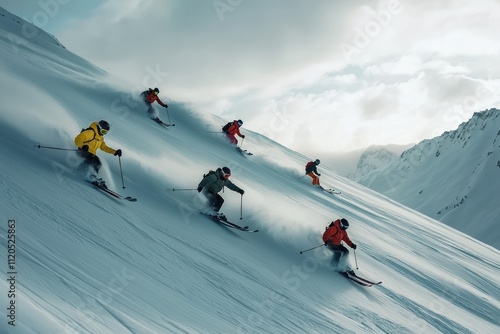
(231, 139)
(218, 202)
(315, 179)
(94, 162)
(344, 259)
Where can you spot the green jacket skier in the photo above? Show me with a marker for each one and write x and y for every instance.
(213, 182)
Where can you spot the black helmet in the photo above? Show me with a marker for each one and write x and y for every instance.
(317, 161)
(226, 172)
(156, 90)
(240, 122)
(104, 125)
(344, 224)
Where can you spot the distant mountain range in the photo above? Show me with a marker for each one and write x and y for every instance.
(373, 158)
(453, 178)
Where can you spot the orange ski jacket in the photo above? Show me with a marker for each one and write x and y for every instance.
(234, 129)
(335, 234)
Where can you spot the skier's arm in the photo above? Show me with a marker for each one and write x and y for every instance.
(234, 187)
(160, 102)
(106, 148)
(347, 240)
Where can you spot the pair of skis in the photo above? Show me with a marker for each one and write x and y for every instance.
(159, 121)
(353, 277)
(112, 193)
(331, 191)
(242, 151)
(225, 222)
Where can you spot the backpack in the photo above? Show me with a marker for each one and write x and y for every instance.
(227, 126)
(211, 172)
(89, 128)
(309, 164)
(330, 225)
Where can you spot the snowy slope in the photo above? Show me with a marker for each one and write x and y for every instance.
(87, 263)
(452, 178)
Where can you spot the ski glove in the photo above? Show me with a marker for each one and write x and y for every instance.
(118, 153)
(243, 136)
(199, 189)
(241, 191)
(166, 106)
(354, 246)
(319, 174)
(85, 148)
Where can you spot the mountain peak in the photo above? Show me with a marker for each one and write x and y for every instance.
(452, 177)
(20, 31)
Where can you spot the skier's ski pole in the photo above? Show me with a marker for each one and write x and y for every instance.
(242, 139)
(307, 250)
(121, 171)
(301, 177)
(55, 148)
(168, 114)
(355, 259)
(241, 207)
(177, 189)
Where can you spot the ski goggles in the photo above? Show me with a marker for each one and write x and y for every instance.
(226, 176)
(156, 93)
(104, 131)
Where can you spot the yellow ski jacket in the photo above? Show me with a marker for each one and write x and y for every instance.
(93, 139)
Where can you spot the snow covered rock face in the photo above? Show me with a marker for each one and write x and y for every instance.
(453, 178)
(373, 158)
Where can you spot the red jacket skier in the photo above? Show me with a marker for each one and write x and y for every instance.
(312, 171)
(234, 129)
(150, 96)
(335, 233)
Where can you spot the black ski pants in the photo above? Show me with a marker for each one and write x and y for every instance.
(215, 200)
(91, 160)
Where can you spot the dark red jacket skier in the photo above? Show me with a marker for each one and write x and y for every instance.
(233, 130)
(335, 233)
(151, 95)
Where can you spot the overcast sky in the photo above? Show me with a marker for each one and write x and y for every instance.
(317, 76)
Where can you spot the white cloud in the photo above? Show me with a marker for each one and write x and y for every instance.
(280, 66)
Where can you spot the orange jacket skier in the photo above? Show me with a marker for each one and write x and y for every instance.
(335, 233)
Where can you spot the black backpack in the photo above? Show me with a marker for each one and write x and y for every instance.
(227, 126)
(89, 128)
(209, 173)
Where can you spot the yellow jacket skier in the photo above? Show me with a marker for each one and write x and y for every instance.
(92, 139)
